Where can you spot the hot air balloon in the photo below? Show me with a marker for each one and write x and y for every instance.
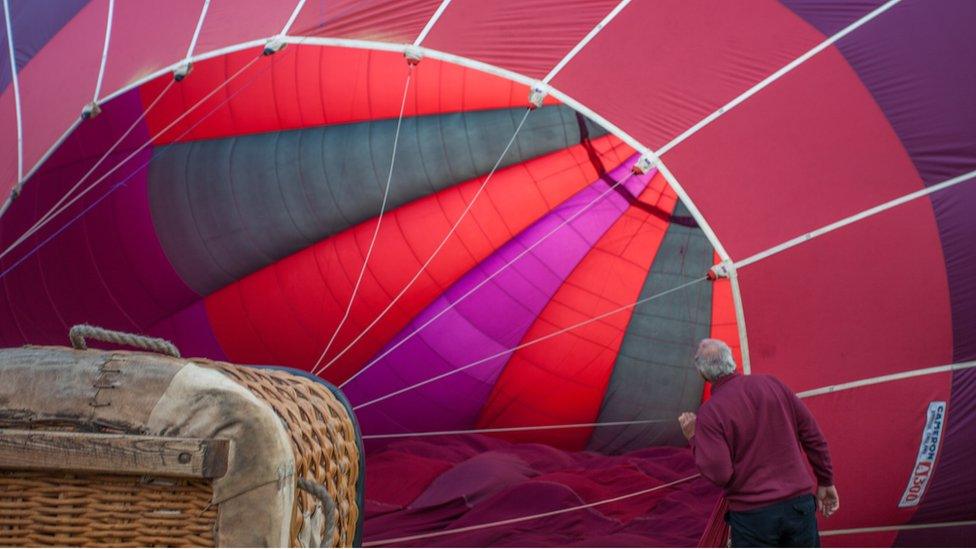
(502, 228)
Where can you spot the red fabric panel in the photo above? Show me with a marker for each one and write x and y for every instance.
(874, 433)
(529, 391)
(147, 36)
(398, 21)
(702, 55)
(862, 301)
(230, 22)
(724, 325)
(526, 36)
(60, 80)
(304, 86)
(286, 312)
(809, 150)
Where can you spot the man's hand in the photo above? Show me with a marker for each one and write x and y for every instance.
(687, 422)
(827, 500)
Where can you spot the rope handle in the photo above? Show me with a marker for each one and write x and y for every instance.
(321, 493)
(79, 332)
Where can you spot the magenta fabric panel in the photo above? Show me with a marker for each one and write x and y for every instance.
(427, 485)
(8, 129)
(34, 22)
(491, 320)
(660, 67)
(99, 261)
(800, 159)
(190, 331)
(526, 36)
(231, 22)
(398, 21)
(848, 305)
(60, 80)
(911, 59)
(146, 37)
(914, 59)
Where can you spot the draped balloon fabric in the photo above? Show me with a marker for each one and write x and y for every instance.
(522, 273)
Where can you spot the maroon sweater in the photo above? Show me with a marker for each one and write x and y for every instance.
(750, 439)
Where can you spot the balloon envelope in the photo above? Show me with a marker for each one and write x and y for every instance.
(232, 212)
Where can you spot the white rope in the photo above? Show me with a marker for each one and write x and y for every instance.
(451, 305)
(183, 134)
(516, 429)
(585, 41)
(423, 268)
(776, 76)
(898, 527)
(527, 343)
(880, 208)
(430, 22)
(291, 19)
(898, 376)
(54, 209)
(15, 80)
(196, 31)
(399, 541)
(376, 229)
(55, 212)
(105, 44)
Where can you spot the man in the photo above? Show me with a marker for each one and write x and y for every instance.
(750, 439)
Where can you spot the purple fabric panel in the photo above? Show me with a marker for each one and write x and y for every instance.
(954, 209)
(100, 260)
(427, 485)
(190, 331)
(34, 23)
(916, 59)
(491, 320)
(830, 16)
(949, 496)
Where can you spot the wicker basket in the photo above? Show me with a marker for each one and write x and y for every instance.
(58, 392)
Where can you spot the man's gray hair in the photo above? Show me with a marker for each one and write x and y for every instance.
(714, 359)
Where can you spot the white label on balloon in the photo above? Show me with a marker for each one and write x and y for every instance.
(931, 437)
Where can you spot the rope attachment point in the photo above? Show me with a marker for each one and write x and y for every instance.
(180, 72)
(644, 164)
(413, 54)
(79, 332)
(273, 45)
(91, 110)
(722, 270)
(538, 95)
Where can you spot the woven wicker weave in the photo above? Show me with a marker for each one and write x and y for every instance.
(63, 509)
(323, 437)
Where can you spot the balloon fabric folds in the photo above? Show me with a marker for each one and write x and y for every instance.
(510, 294)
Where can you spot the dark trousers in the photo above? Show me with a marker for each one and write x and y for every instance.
(790, 523)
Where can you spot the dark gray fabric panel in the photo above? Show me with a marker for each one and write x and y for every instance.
(224, 208)
(654, 376)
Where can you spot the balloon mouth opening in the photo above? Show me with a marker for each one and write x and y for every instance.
(215, 132)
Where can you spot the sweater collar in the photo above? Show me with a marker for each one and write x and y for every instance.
(723, 380)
